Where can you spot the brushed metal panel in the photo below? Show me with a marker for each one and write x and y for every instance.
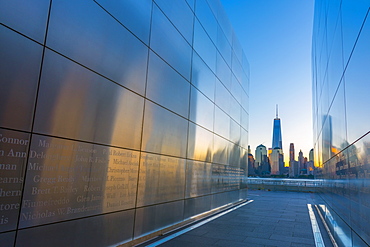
(235, 135)
(20, 60)
(225, 177)
(163, 131)
(180, 15)
(245, 102)
(217, 178)
(191, 3)
(169, 44)
(223, 46)
(244, 119)
(243, 138)
(200, 143)
(133, 14)
(222, 97)
(206, 18)
(236, 89)
(161, 179)
(219, 199)
(68, 179)
(235, 155)
(27, 17)
(204, 46)
(223, 71)
(222, 123)
(167, 87)
(237, 67)
(79, 104)
(156, 217)
(221, 150)
(103, 230)
(195, 206)
(201, 109)
(235, 110)
(198, 178)
(202, 77)
(13, 156)
(84, 32)
(7, 239)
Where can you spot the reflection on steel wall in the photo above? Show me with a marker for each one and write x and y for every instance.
(117, 118)
(341, 86)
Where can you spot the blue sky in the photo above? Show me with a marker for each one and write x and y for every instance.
(276, 37)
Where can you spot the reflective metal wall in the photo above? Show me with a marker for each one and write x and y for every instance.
(341, 86)
(117, 118)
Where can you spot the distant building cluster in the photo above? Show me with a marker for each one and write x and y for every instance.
(270, 162)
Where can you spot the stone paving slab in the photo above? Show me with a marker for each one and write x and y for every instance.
(274, 218)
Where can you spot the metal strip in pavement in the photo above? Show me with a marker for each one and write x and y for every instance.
(326, 227)
(319, 242)
(176, 234)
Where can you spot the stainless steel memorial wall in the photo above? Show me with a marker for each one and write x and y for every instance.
(117, 118)
(341, 86)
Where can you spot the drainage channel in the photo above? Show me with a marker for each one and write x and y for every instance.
(196, 225)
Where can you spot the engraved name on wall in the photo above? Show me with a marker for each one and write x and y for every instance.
(68, 179)
(13, 155)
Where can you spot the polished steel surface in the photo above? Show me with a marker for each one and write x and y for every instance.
(200, 143)
(117, 118)
(223, 71)
(201, 109)
(167, 87)
(169, 44)
(79, 104)
(134, 15)
(13, 156)
(206, 18)
(26, 17)
(84, 32)
(67, 179)
(341, 116)
(19, 79)
(197, 205)
(163, 131)
(180, 14)
(222, 123)
(7, 239)
(198, 179)
(156, 217)
(204, 46)
(202, 77)
(161, 179)
(102, 230)
(222, 97)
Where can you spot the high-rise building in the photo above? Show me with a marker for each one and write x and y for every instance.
(262, 163)
(341, 115)
(276, 133)
(301, 164)
(119, 119)
(277, 156)
(293, 164)
(277, 162)
(291, 152)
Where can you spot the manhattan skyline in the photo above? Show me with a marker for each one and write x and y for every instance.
(276, 37)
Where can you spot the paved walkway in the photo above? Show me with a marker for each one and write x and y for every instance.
(272, 219)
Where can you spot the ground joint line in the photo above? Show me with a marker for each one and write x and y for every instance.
(319, 242)
(163, 240)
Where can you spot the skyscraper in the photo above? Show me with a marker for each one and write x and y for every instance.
(277, 156)
(276, 134)
(293, 164)
(262, 164)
